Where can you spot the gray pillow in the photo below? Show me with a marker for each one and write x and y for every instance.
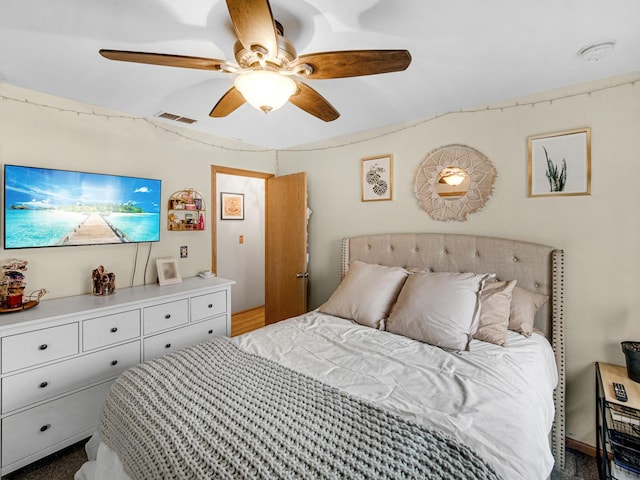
(495, 305)
(524, 306)
(441, 309)
(366, 293)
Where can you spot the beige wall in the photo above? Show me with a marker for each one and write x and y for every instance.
(600, 233)
(48, 132)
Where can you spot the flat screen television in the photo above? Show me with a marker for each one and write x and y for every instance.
(45, 207)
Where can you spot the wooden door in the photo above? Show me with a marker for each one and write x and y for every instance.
(286, 276)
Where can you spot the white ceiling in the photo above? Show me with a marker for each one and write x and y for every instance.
(466, 53)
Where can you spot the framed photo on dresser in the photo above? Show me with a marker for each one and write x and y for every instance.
(168, 271)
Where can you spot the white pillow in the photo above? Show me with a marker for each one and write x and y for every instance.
(366, 293)
(441, 309)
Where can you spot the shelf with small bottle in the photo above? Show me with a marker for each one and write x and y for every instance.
(186, 211)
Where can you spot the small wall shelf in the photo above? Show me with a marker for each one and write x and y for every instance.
(186, 211)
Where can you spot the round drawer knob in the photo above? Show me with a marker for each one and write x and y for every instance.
(44, 384)
(114, 363)
(44, 428)
(168, 315)
(43, 346)
(114, 329)
(210, 305)
(210, 332)
(168, 345)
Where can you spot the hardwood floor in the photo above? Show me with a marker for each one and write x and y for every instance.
(246, 321)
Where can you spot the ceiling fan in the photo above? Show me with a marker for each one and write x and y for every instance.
(268, 66)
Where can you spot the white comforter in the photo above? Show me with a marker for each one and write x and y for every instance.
(496, 400)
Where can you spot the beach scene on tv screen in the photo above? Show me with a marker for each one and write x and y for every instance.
(46, 208)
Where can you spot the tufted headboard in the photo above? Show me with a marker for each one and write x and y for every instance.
(539, 268)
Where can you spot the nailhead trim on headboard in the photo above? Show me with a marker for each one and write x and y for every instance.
(557, 313)
(536, 267)
(344, 260)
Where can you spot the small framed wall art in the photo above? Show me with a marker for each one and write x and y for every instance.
(231, 206)
(560, 163)
(168, 271)
(377, 178)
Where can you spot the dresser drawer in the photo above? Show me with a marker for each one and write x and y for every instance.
(166, 315)
(208, 305)
(28, 432)
(168, 342)
(110, 329)
(23, 389)
(39, 346)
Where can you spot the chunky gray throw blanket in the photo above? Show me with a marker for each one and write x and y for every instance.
(213, 411)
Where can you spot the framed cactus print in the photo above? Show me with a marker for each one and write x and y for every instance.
(560, 163)
(377, 178)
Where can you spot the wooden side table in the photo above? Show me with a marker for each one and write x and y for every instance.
(617, 425)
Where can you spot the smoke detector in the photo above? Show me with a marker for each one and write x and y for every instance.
(596, 51)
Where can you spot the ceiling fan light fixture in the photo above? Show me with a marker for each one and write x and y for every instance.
(266, 62)
(265, 90)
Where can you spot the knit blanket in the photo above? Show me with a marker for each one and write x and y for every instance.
(213, 411)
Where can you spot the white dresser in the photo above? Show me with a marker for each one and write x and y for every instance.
(59, 358)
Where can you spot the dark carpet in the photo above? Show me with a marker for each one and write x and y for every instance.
(577, 466)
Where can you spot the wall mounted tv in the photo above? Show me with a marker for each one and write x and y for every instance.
(46, 207)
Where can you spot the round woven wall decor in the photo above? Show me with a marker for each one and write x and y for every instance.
(481, 176)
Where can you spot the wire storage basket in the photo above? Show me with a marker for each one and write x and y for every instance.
(624, 437)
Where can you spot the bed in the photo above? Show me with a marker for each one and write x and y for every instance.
(376, 403)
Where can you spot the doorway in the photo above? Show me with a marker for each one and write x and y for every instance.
(278, 274)
(238, 246)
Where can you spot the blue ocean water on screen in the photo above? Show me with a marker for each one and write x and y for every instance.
(139, 227)
(43, 206)
(45, 228)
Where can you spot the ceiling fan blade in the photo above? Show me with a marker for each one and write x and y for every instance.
(354, 63)
(312, 102)
(253, 22)
(229, 102)
(163, 59)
